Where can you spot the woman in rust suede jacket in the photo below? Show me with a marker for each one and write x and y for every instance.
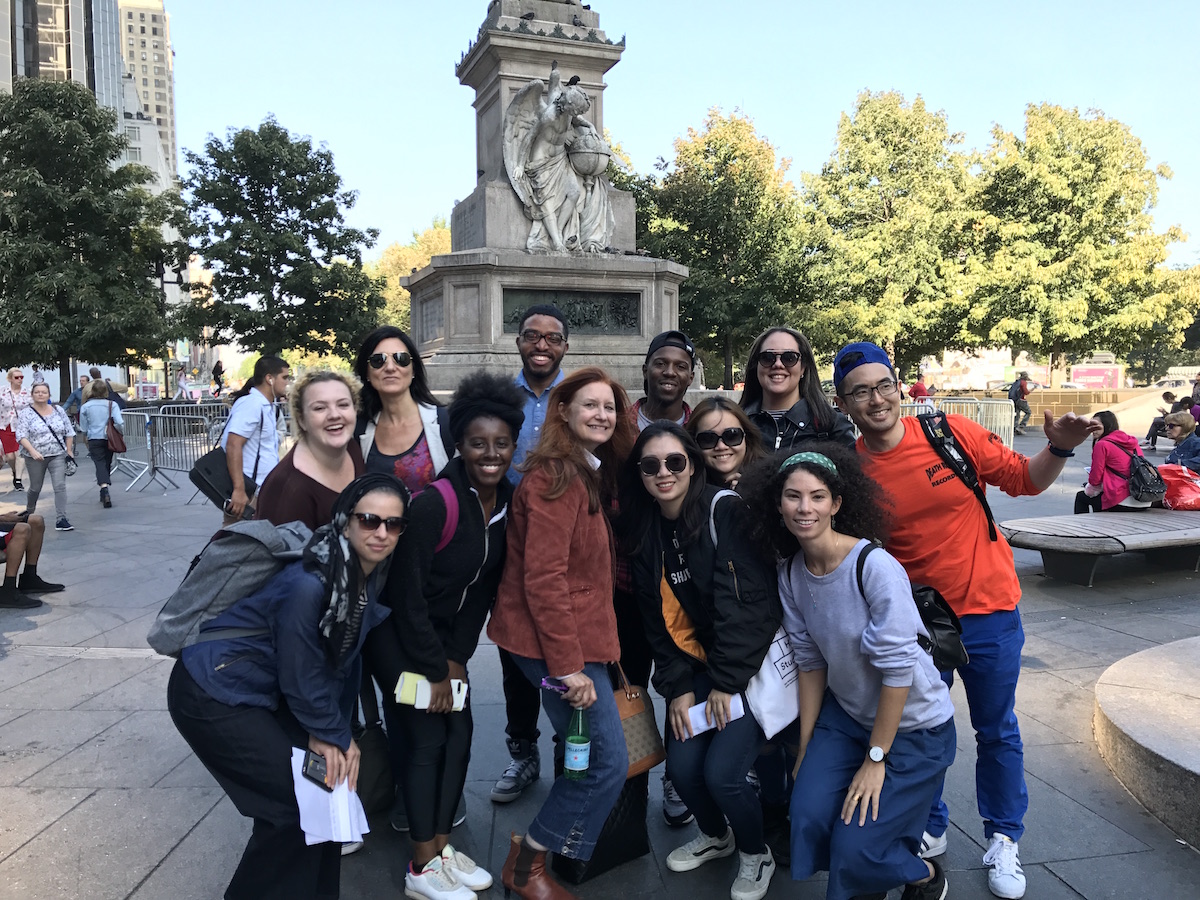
(554, 611)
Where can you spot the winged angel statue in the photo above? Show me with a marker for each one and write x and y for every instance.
(554, 158)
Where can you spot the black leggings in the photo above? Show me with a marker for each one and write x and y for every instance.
(437, 749)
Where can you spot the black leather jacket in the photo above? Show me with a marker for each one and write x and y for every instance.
(797, 426)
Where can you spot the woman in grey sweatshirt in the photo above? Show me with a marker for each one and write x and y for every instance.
(876, 721)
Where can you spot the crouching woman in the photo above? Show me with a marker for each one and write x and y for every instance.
(243, 701)
(876, 721)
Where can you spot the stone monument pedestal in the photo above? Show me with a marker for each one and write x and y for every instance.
(466, 307)
(537, 68)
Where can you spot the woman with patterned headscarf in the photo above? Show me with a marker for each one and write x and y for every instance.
(277, 679)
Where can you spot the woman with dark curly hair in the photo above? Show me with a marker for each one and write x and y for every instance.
(402, 429)
(711, 609)
(440, 597)
(876, 721)
(783, 395)
(727, 438)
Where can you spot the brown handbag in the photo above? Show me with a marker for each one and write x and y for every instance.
(642, 737)
(116, 440)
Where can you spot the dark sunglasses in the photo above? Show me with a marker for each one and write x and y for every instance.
(676, 463)
(553, 338)
(766, 358)
(731, 437)
(370, 522)
(379, 360)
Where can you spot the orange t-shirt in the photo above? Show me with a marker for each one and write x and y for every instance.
(939, 530)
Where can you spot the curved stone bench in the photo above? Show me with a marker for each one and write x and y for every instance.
(1071, 546)
(1147, 726)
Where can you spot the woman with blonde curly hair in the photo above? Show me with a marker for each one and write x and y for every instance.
(326, 458)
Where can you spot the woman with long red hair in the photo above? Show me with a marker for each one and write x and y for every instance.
(554, 612)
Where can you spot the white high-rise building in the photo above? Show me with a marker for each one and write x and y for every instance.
(62, 40)
(145, 39)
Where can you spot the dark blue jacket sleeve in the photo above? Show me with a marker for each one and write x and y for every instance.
(312, 687)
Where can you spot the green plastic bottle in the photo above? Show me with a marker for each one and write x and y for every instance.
(579, 747)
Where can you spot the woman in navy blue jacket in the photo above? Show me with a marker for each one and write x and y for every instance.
(243, 702)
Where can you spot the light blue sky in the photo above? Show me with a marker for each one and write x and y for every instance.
(374, 79)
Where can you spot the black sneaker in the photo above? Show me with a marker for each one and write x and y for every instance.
(398, 815)
(35, 584)
(14, 599)
(777, 833)
(675, 811)
(935, 888)
(63, 525)
(18, 484)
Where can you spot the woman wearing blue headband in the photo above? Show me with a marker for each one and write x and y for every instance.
(876, 721)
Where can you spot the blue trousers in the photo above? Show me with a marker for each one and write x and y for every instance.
(994, 643)
(880, 854)
(709, 772)
(570, 820)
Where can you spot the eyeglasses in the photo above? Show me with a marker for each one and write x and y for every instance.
(379, 360)
(863, 394)
(731, 437)
(553, 338)
(675, 463)
(370, 522)
(766, 358)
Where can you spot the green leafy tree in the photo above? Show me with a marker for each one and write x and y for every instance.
(889, 212)
(1068, 257)
(80, 235)
(399, 260)
(266, 211)
(726, 210)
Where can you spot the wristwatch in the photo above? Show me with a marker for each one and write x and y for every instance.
(876, 754)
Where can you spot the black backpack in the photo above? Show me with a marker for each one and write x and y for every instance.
(944, 643)
(1145, 484)
(1014, 392)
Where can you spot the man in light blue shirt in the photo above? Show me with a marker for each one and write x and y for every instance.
(542, 343)
(251, 441)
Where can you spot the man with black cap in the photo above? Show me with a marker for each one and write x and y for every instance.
(944, 538)
(667, 374)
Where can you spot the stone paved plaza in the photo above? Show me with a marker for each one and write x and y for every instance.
(100, 797)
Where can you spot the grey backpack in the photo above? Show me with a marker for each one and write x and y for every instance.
(239, 560)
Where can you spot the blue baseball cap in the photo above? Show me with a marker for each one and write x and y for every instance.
(854, 355)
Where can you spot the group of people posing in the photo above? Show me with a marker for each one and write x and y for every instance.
(582, 530)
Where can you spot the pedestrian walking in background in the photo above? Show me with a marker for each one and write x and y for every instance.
(1017, 393)
(44, 432)
(94, 416)
(13, 399)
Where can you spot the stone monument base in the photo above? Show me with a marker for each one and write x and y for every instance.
(466, 307)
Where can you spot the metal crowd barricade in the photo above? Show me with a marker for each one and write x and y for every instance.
(176, 443)
(215, 411)
(960, 406)
(997, 417)
(135, 461)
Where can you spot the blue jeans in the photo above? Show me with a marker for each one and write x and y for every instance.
(709, 772)
(570, 820)
(881, 854)
(994, 643)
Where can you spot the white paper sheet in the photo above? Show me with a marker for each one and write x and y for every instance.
(700, 724)
(324, 815)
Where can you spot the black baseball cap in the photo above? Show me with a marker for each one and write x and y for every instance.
(673, 339)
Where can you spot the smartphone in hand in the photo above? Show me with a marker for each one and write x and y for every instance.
(314, 769)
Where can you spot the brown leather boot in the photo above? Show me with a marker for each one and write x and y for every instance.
(524, 873)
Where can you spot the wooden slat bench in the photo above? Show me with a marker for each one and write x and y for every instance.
(1071, 546)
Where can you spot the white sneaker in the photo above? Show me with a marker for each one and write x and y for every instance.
(464, 869)
(1005, 878)
(754, 875)
(434, 882)
(700, 850)
(351, 847)
(932, 846)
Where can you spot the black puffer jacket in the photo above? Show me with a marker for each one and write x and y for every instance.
(797, 426)
(440, 601)
(738, 611)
